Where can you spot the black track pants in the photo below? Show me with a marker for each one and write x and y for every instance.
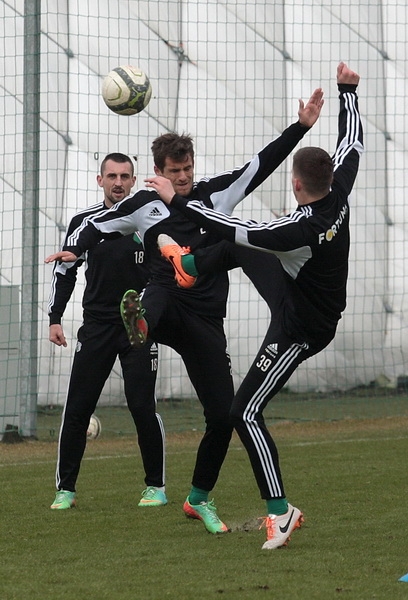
(201, 343)
(283, 348)
(98, 345)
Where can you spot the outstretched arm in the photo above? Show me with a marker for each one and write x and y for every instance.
(233, 187)
(349, 145)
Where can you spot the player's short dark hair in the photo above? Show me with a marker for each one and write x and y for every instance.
(172, 145)
(117, 157)
(314, 167)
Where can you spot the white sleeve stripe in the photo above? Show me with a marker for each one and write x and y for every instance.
(350, 140)
(236, 222)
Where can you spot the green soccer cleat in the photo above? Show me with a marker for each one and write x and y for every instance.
(132, 313)
(172, 252)
(63, 500)
(153, 496)
(207, 513)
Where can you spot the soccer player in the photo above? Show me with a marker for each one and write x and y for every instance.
(111, 267)
(299, 265)
(190, 321)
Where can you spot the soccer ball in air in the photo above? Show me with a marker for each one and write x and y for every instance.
(94, 428)
(126, 90)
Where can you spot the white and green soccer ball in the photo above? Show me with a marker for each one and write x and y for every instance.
(126, 90)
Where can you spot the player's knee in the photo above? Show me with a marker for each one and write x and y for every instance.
(221, 423)
(236, 416)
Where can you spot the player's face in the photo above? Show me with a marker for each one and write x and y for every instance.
(181, 174)
(116, 180)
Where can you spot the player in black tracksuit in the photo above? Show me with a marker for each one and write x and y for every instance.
(299, 265)
(191, 321)
(112, 267)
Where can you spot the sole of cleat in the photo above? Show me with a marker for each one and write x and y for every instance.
(132, 312)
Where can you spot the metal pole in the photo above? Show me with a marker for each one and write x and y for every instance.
(29, 284)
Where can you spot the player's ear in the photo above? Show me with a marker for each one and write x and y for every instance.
(157, 170)
(99, 180)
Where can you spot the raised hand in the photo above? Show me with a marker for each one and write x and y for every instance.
(309, 113)
(346, 75)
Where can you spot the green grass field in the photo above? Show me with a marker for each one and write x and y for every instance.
(186, 415)
(348, 476)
